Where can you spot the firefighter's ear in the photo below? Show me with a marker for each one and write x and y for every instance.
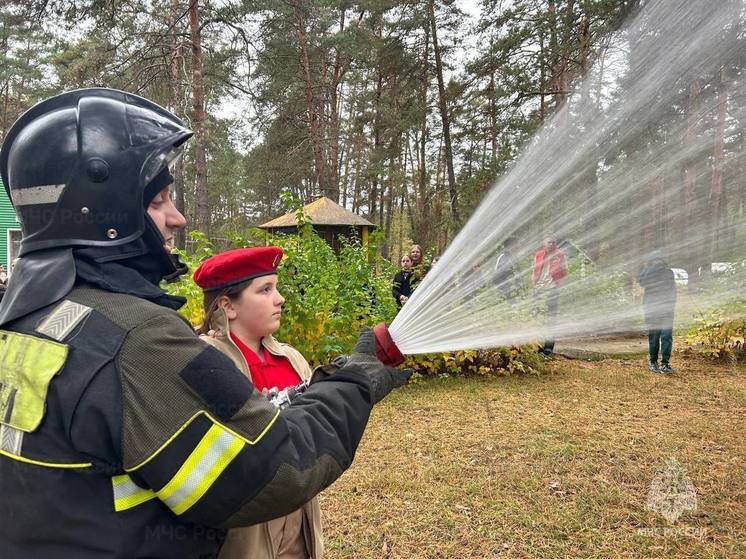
(227, 306)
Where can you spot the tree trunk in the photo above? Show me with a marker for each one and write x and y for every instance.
(542, 76)
(375, 155)
(444, 118)
(716, 187)
(691, 254)
(177, 102)
(422, 229)
(340, 69)
(312, 104)
(198, 105)
(491, 103)
(388, 213)
(560, 78)
(347, 152)
(358, 150)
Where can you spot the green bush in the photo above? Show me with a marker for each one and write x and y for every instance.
(718, 337)
(329, 297)
(490, 362)
(715, 316)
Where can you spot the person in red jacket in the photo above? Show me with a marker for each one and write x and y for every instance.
(550, 270)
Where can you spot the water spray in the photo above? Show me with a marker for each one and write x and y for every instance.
(640, 155)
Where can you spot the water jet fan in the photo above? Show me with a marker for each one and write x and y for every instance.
(647, 152)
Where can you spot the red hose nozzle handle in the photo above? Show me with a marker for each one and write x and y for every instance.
(386, 350)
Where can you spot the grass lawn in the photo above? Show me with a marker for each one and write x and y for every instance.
(558, 465)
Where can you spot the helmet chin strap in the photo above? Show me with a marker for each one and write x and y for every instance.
(180, 268)
(145, 256)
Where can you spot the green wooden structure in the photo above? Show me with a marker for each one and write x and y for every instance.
(10, 230)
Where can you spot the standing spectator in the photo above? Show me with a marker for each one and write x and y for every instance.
(504, 271)
(418, 267)
(550, 269)
(415, 253)
(658, 302)
(401, 289)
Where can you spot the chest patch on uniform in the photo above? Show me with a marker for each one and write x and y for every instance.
(27, 366)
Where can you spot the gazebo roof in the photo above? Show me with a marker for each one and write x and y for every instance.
(322, 211)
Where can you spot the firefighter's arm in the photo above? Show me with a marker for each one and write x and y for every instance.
(214, 450)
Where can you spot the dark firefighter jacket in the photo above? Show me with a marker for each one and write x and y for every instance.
(122, 434)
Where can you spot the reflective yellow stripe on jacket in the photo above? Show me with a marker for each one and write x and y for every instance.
(212, 455)
(128, 494)
(207, 461)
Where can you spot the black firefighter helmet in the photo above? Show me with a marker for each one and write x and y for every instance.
(76, 167)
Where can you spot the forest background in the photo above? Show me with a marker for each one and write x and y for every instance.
(403, 111)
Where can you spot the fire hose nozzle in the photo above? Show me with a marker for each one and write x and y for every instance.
(386, 350)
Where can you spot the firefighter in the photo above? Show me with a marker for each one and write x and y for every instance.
(122, 434)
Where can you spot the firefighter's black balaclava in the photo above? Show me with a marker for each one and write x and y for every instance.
(81, 169)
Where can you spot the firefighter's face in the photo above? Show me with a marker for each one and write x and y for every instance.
(257, 311)
(166, 217)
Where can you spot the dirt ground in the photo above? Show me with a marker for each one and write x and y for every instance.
(612, 345)
(557, 465)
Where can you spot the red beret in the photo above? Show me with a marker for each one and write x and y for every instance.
(236, 266)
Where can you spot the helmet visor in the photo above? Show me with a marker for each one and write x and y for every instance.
(167, 159)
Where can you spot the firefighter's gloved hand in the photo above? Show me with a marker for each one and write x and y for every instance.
(383, 379)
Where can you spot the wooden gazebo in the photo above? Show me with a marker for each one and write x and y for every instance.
(329, 221)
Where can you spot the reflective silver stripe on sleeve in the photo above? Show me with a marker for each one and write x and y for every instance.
(128, 494)
(33, 195)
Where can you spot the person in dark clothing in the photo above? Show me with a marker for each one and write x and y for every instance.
(503, 274)
(658, 302)
(401, 289)
(122, 434)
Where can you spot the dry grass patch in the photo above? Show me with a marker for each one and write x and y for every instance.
(552, 466)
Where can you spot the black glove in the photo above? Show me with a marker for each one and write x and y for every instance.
(383, 379)
(325, 371)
